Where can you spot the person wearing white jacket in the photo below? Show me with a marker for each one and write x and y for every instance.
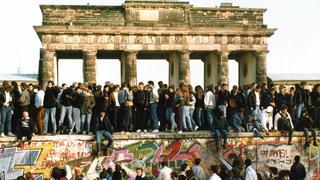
(210, 104)
(251, 173)
(165, 172)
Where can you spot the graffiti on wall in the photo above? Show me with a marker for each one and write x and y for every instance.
(39, 157)
(279, 156)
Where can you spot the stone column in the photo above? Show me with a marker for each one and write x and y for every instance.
(261, 61)
(47, 66)
(210, 63)
(184, 67)
(174, 69)
(223, 68)
(247, 68)
(40, 67)
(131, 67)
(123, 67)
(89, 66)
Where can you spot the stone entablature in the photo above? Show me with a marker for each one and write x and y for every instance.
(153, 13)
(176, 30)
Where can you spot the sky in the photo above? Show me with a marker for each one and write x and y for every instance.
(293, 48)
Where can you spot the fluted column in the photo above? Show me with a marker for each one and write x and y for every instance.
(131, 67)
(223, 68)
(184, 67)
(261, 61)
(46, 66)
(210, 63)
(89, 66)
(173, 60)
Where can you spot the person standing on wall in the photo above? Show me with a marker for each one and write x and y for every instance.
(66, 108)
(50, 103)
(39, 116)
(6, 109)
(153, 106)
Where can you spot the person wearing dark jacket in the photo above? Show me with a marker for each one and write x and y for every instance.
(169, 98)
(141, 107)
(308, 125)
(254, 102)
(6, 107)
(297, 170)
(314, 102)
(301, 100)
(86, 110)
(104, 130)
(50, 103)
(281, 98)
(77, 103)
(220, 127)
(66, 108)
(223, 96)
(25, 127)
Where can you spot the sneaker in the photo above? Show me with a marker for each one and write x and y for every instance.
(70, 133)
(180, 132)
(155, 131)
(2, 135)
(10, 134)
(138, 131)
(84, 132)
(196, 128)
(122, 132)
(145, 131)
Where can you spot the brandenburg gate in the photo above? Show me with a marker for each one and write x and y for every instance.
(156, 29)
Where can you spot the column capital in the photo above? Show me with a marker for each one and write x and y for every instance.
(184, 51)
(131, 52)
(261, 53)
(89, 52)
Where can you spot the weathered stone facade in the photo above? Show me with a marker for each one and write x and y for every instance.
(171, 30)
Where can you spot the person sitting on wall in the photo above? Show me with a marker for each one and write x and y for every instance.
(283, 122)
(104, 130)
(238, 120)
(308, 125)
(220, 126)
(266, 119)
(25, 128)
(254, 126)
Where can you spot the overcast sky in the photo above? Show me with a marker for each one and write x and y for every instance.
(293, 48)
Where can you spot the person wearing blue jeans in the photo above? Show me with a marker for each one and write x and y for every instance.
(308, 125)
(186, 120)
(49, 103)
(104, 131)
(50, 113)
(220, 127)
(210, 104)
(153, 106)
(170, 117)
(6, 107)
(66, 102)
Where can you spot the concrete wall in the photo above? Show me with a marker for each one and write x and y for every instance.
(148, 150)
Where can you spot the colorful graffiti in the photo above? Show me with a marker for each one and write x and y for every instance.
(40, 156)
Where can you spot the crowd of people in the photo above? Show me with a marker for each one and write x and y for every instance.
(89, 108)
(241, 170)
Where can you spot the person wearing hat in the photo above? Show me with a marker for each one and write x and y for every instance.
(283, 122)
(266, 118)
